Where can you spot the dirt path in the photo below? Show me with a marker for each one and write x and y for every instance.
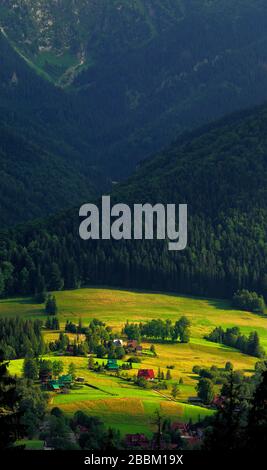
(166, 396)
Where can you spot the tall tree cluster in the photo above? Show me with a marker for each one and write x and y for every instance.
(160, 330)
(234, 338)
(241, 420)
(20, 338)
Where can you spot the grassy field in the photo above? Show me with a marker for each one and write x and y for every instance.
(131, 407)
(31, 444)
(119, 403)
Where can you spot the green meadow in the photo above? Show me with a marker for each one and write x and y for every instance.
(31, 444)
(119, 403)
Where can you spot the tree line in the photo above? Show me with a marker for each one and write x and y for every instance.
(241, 419)
(159, 330)
(246, 300)
(20, 337)
(227, 245)
(54, 258)
(234, 338)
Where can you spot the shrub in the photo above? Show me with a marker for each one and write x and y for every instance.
(196, 370)
(246, 300)
(134, 360)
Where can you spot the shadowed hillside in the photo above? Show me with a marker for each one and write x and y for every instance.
(220, 172)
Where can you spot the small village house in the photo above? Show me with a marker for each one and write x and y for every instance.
(147, 374)
(63, 382)
(136, 440)
(118, 343)
(79, 379)
(134, 346)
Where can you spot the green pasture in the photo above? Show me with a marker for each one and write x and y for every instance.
(118, 402)
(33, 444)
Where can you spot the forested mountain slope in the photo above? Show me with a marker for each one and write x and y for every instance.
(44, 162)
(221, 173)
(145, 69)
(35, 182)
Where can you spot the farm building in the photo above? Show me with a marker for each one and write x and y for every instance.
(134, 346)
(192, 434)
(118, 343)
(136, 440)
(112, 364)
(182, 427)
(54, 385)
(64, 381)
(147, 374)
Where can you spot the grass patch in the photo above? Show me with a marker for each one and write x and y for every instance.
(131, 408)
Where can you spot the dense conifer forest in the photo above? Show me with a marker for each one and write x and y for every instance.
(20, 338)
(219, 171)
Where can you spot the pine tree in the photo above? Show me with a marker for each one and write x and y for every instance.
(56, 281)
(51, 305)
(2, 283)
(72, 370)
(168, 375)
(175, 391)
(205, 390)
(257, 422)
(10, 427)
(58, 368)
(91, 363)
(30, 369)
(226, 433)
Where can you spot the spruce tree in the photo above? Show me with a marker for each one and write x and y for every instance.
(227, 432)
(51, 305)
(10, 427)
(257, 422)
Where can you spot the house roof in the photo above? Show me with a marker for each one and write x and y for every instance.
(55, 386)
(146, 373)
(136, 439)
(118, 341)
(65, 378)
(133, 343)
(180, 426)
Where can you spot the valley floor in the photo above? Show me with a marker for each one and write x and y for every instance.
(121, 404)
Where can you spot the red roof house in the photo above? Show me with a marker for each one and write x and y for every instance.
(132, 344)
(147, 374)
(218, 401)
(182, 427)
